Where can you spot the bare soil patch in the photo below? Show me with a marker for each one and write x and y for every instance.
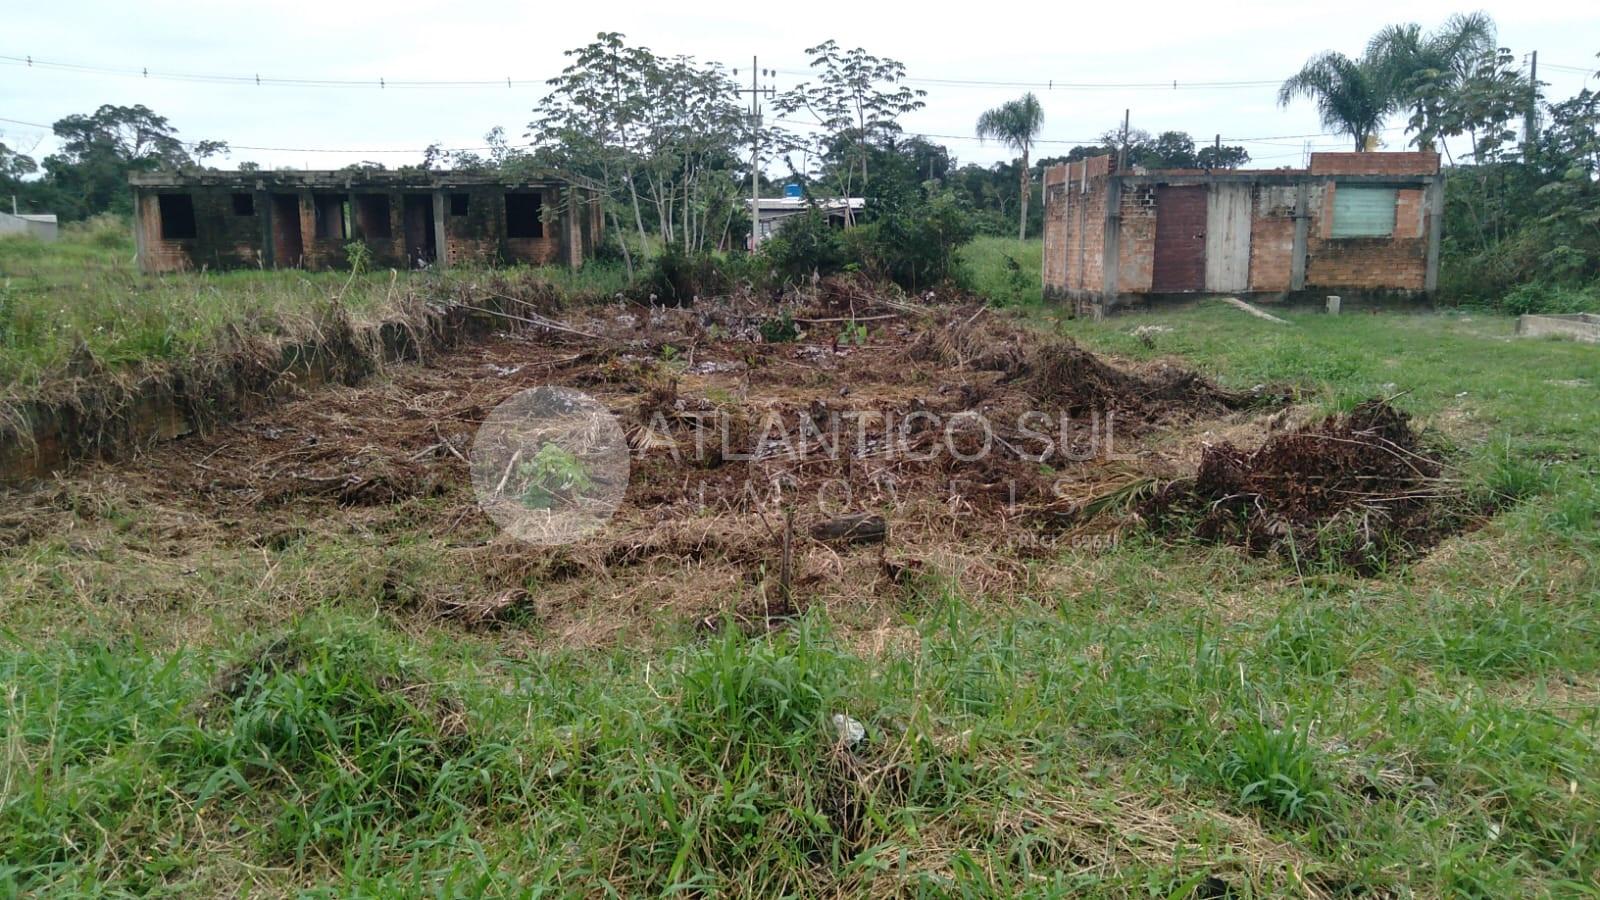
(890, 449)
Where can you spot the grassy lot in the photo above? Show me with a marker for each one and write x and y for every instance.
(1184, 721)
(85, 291)
(1005, 269)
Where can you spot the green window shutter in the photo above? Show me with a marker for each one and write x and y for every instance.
(1360, 211)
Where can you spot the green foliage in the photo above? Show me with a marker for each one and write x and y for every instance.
(737, 693)
(553, 476)
(856, 99)
(1276, 768)
(1351, 94)
(780, 329)
(359, 257)
(676, 278)
(853, 333)
(915, 241)
(1542, 297)
(1510, 476)
(806, 244)
(88, 174)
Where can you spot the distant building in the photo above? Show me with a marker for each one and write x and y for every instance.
(37, 225)
(774, 211)
(1358, 223)
(305, 219)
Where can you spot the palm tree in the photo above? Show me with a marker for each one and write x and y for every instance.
(1423, 69)
(1016, 124)
(1351, 95)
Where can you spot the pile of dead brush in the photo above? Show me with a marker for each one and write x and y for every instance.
(1080, 383)
(1357, 492)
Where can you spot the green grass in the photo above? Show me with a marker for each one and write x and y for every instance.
(1006, 270)
(279, 721)
(85, 290)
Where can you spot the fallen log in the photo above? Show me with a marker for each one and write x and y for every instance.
(857, 528)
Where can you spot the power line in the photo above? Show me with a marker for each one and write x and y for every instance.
(929, 135)
(258, 80)
(232, 146)
(383, 82)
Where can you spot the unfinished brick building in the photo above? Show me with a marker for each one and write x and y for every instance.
(1357, 223)
(406, 219)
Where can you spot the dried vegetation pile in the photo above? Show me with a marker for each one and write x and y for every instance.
(1357, 491)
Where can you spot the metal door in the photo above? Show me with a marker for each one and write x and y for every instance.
(1228, 238)
(1180, 260)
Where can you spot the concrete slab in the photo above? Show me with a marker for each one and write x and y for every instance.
(1583, 327)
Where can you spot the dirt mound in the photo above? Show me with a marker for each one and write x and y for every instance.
(1356, 491)
(1081, 383)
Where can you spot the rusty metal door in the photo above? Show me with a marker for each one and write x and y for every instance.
(1228, 238)
(1180, 260)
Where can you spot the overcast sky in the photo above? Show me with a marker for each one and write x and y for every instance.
(1101, 43)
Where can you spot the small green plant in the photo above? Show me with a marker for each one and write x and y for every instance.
(854, 333)
(554, 475)
(780, 330)
(1276, 768)
(669, 353)
(359, 255)
(1510, 477)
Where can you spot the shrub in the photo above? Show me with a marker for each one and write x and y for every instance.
(807, 243)
(915, 241)
(1546, 298)
(677, 278)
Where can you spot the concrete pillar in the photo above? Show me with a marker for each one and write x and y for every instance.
(263, 201)
(1434, 197)
(1111, 255)
(441, 248)
(138, 230)
(1302, 225)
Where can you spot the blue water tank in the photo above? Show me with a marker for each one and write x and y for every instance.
(791, 190)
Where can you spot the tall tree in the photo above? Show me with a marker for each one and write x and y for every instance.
(1016, 124)
(14, 167)
(1351, 95)
(1423, 71)
(98, 150)
(857, 99)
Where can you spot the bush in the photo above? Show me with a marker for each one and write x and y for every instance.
(1546, 298)
(807, 243)
(106, 231)
(915, 242)
(677, 278)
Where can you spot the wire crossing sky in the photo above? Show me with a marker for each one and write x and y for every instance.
(386, 80)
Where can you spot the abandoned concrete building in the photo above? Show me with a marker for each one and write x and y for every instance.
(1358, 223)
(306, 219)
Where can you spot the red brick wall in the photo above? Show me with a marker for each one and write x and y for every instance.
(1272, 238)
(1075, 231)
(1074, 239)
(1136, 240)
(1375, 163)
(1398, 262)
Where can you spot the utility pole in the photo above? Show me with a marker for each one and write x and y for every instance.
(1530, 124)
(755, 90)
(1122, 152)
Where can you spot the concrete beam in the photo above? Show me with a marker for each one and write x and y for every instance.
(441, 250)
(1111, 256)
(1435, 205)
(1302, 225)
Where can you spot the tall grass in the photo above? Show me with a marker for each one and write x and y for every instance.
(83, 294)
(1005, 270)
